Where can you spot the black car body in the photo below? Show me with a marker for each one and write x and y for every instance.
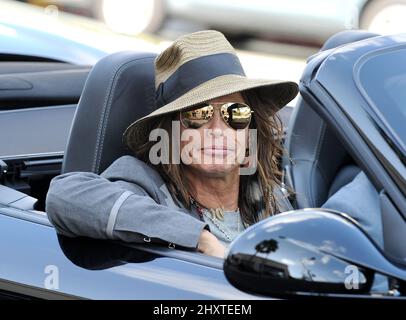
(37, 105)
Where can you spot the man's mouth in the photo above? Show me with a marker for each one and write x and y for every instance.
(217, 150)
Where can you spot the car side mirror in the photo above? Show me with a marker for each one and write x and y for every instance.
(309, 251)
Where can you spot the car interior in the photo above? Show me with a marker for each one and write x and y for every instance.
(38, 100)
(57, 118)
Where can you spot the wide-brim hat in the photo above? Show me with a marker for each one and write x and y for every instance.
(199, 67)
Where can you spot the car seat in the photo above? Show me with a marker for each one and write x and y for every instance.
(119, 89)
(316, 165)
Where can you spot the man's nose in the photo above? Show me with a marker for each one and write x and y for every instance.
(217, 123)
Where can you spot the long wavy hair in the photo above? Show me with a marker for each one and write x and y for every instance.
(256, 199)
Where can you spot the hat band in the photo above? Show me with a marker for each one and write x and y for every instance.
(195, 72)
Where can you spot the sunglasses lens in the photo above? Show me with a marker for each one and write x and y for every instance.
(197, 117)
(237, 115)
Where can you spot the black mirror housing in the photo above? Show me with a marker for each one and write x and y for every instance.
(314, 251)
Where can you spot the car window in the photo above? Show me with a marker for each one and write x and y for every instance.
(383, 82)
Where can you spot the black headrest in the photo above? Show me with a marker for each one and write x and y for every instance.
(120, 89)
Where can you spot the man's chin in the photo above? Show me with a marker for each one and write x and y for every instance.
(215, 170)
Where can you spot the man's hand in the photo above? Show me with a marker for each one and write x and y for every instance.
(210, 245)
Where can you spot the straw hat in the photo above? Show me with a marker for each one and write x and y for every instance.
(199, 67)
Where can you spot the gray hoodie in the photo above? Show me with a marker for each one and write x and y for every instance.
(129, 201)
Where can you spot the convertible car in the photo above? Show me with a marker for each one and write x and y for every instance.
(57, 117)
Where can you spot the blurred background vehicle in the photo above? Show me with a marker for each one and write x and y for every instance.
(28, 30)
(309, 22)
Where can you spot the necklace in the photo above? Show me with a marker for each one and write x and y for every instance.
(218, 213)
(202, 211)
(222, 229)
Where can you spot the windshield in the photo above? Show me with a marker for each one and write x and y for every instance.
(383, 82)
